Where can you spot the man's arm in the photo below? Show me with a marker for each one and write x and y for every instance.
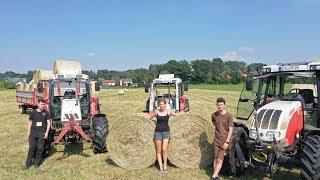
(230, 124)
(48, 128)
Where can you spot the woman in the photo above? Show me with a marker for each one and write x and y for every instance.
(162, 133)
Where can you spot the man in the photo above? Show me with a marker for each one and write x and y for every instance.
(38, 130)
(223, 123)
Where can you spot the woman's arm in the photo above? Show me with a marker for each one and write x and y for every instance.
(172, 113)
(152, 114)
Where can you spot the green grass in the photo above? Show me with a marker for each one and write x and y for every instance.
(218, 87)
(73, 162)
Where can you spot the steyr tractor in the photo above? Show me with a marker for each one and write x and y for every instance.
(285, 122)
(173, 89)
(74, 109)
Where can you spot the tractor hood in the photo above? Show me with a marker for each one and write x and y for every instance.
(272, 120)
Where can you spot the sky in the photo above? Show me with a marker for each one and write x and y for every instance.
(127, 34)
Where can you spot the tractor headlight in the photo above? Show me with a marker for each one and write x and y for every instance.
(315, 67)
(270, 135)
(253, 134)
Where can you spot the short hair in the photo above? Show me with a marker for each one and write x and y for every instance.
(162, 100)
(41, 100)
(221, 100)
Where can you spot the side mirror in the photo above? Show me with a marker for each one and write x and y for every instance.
(249, 85)
(146, 88)
(40, 87)
(97, 86)
(185, 87)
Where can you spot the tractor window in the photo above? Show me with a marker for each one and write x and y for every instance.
(247, 100)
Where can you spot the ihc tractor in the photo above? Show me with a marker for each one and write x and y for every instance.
(74, 109)
(169, 88)
(285, 124)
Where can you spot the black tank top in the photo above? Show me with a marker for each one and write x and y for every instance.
(162, 123)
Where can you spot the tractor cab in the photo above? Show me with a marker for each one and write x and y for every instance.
(169, 88)
(69, 98)
(282, 107)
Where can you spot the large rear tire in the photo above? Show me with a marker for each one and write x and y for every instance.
(311, 158)
(100, 132)
(241, 137)
(23, 109)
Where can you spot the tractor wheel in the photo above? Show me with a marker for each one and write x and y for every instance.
(23, 109)
(147, 105)
(100, 132)
(240, 140)
(311, 158)
(187, 106)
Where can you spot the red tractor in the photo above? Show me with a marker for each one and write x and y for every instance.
(285, 124)
(75, 111)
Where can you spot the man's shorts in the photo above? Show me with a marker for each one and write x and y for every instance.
(219, 153)
(161, 135)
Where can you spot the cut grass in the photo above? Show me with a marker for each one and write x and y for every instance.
(75, 161)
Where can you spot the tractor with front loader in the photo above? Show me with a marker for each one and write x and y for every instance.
(72, 104)
(285, 122)
(169, 88)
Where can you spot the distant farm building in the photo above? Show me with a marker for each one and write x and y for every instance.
(108, 83)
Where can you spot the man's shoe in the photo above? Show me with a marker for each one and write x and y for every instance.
(26, 167)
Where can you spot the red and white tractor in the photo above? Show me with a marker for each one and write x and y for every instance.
(285, 124)
(74, 109)
(169, 88)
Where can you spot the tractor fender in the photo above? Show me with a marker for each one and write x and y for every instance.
(99, 115)
(239, 124)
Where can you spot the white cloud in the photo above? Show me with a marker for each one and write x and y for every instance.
(241, 54)
(91, 54)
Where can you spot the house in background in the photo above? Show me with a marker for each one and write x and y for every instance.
(108, 83)
(15, 80)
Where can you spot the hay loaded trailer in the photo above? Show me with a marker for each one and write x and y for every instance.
(74, 109)
(285, 122)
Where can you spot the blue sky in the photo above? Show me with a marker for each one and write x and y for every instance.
(129, 34)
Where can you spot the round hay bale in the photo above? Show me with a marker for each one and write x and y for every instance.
(130, 142)
(41, 74)
(191, 142)
(121, 92)
(19, 86)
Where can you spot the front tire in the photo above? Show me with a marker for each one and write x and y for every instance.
(100, 132)
(311, 158)
(23, 109)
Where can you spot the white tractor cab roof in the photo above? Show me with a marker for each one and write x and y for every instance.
(70, 77)
(166, 79)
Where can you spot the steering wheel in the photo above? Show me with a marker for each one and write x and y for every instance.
(69, 94)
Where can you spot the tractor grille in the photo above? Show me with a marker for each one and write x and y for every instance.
(259, 118)
(268, 119)
(275, 119)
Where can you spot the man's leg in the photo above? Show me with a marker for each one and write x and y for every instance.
(39, 151)
(218, 162)
(31, 152)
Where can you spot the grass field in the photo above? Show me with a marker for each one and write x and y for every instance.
(77, 162)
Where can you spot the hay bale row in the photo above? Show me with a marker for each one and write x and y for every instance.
(67, 67)
(131, 146)
(130, 142)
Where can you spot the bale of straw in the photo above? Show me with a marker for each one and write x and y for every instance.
(121, 92)
(19, 86)
(67, 67)
(130, 142)
(42, 74)
(191, 142)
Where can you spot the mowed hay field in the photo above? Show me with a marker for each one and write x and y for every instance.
(77, 161)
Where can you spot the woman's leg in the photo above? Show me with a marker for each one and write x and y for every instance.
(165, 143)
(158, 144)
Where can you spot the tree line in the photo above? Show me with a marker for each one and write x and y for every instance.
(215, 71)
